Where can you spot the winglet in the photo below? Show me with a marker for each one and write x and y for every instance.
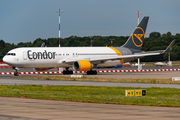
(168, 49)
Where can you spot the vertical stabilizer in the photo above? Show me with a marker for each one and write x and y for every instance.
(136, 39)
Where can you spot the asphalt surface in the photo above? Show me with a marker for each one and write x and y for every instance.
(9, 81)
(30, 109)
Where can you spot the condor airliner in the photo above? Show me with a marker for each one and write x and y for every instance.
(81, 58)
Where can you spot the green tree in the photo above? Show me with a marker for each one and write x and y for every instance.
(2, 43)
(37, 42)
(154, 35)
(97, 43)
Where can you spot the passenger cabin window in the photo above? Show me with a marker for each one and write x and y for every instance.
(12, 54)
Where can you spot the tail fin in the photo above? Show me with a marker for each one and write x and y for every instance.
(135, 41)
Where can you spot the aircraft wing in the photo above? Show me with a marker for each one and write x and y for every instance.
(136, 55)
(125, 57)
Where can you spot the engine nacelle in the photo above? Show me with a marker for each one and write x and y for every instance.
(82, 65)
(40, 69)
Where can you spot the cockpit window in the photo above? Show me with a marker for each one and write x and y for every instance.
(12, 54)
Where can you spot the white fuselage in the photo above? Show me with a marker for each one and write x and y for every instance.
(48, 57)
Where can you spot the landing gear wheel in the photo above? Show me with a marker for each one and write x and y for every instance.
(92, 72)
(95, 72)
(67, 72)
(16, 73)
(71, 72)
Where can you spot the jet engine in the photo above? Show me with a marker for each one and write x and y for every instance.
(40, 69)
(82, 65)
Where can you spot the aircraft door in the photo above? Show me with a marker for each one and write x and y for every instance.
(24, 55)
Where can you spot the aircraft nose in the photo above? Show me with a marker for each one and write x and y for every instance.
(5, 59)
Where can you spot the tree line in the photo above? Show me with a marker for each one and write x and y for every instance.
(155, 41)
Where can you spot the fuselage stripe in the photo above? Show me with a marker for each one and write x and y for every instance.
(117, 51)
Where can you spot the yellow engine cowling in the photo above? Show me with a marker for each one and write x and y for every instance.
(82, 65)
(40, 69)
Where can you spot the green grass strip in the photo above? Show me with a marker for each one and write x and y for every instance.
(109, 95)
(124, 80)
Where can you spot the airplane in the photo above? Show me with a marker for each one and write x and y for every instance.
(80, 58)
(136, 64)
(160, 64)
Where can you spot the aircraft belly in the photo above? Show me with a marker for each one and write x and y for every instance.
(44, 65)
(109, 63)
(41, 64)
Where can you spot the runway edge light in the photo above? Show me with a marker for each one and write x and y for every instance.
(135, 93)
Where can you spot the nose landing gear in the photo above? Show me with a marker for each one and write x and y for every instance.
(16, 73)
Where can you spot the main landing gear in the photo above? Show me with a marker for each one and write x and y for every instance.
(67, 71)
(16, 73)
(92, 72)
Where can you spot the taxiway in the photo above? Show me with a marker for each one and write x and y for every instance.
(31, 109)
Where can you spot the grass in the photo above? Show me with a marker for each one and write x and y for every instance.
(108, 95)
(176, 63)
(124, 80)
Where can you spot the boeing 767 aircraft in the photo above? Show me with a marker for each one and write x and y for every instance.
(80, 58)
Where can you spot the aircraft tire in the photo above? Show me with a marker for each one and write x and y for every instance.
(67, 72)
(64, 72)
(16, 74)
(92, 72)
(71, 72)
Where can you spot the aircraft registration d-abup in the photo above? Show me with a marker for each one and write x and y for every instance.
(81, 58)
